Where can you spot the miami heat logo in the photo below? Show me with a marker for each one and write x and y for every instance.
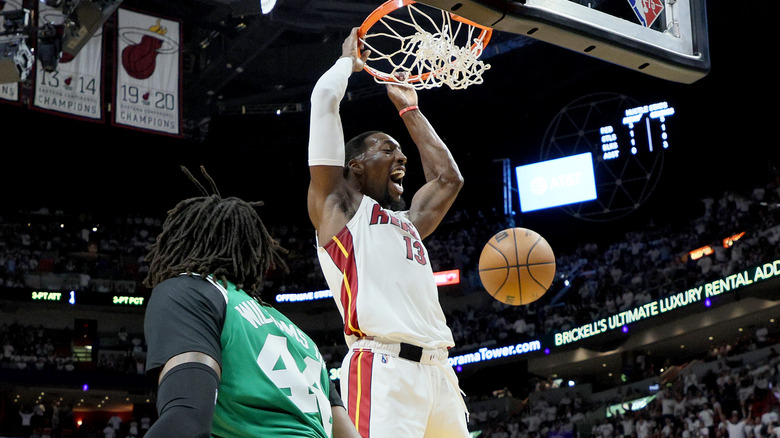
(139, 58)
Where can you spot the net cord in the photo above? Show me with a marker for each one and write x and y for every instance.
(430, 58)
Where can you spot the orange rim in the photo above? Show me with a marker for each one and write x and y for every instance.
(393, 5)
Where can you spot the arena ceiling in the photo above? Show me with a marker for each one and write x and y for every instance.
(236, 57)
(238, 61)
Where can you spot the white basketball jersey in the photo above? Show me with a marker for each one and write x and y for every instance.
(382, 281)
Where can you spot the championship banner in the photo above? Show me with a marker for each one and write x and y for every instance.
(75, 87)
(148, 73)
(9, 91)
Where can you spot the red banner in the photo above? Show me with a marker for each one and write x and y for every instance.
(147, 90)
(75, 87)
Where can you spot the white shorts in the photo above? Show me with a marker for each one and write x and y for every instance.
(388, 396)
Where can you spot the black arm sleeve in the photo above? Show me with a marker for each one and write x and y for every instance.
(335, 397)
(186, 409)
(184, 314)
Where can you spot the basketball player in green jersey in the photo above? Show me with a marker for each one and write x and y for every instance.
(227, 364)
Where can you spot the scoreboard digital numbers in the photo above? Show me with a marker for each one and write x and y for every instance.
(128, 300)
(46, 296)
(84, 298)
(628, 140)
(641, 127)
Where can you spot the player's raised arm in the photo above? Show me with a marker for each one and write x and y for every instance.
(326, 136)
(432, 201)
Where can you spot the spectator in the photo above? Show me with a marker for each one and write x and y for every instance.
(707, 418)
(122, 336)
(26, 421)
(132, 429)
(115, 421)
(109, 431)
(735, 426)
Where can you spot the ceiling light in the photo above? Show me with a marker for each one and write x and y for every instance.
(267, 5)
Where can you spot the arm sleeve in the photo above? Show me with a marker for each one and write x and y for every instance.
(334, 396)
(186, 409)
(184, 314)
(326, 135)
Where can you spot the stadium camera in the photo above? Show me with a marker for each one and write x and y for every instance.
(15, 21)
(83, 19)
(16, 59)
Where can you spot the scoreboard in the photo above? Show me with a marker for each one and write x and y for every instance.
(640, 130)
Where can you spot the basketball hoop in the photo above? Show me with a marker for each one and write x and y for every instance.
(432, 53)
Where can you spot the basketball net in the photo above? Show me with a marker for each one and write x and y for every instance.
(430, 53)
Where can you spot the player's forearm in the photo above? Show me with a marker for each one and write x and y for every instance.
(342, 425)
(436, 159)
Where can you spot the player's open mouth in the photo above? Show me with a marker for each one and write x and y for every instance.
(397, 177)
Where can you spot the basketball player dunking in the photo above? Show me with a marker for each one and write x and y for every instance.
(395, 379)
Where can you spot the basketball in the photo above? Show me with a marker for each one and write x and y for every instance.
(517, 266)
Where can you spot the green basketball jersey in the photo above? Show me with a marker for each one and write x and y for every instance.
(274, 381)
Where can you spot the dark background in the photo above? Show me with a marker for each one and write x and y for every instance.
(722, 136)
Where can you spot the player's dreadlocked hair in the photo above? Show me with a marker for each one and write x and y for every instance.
(212, 235)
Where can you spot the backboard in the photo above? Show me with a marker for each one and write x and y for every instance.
(663, 38)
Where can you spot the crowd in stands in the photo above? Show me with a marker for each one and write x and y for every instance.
(732, 394)
(57, 420)
(39, 348)
(125, 354)
(594, 282)
(696, 404)
(60, 251)
(78, 252)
